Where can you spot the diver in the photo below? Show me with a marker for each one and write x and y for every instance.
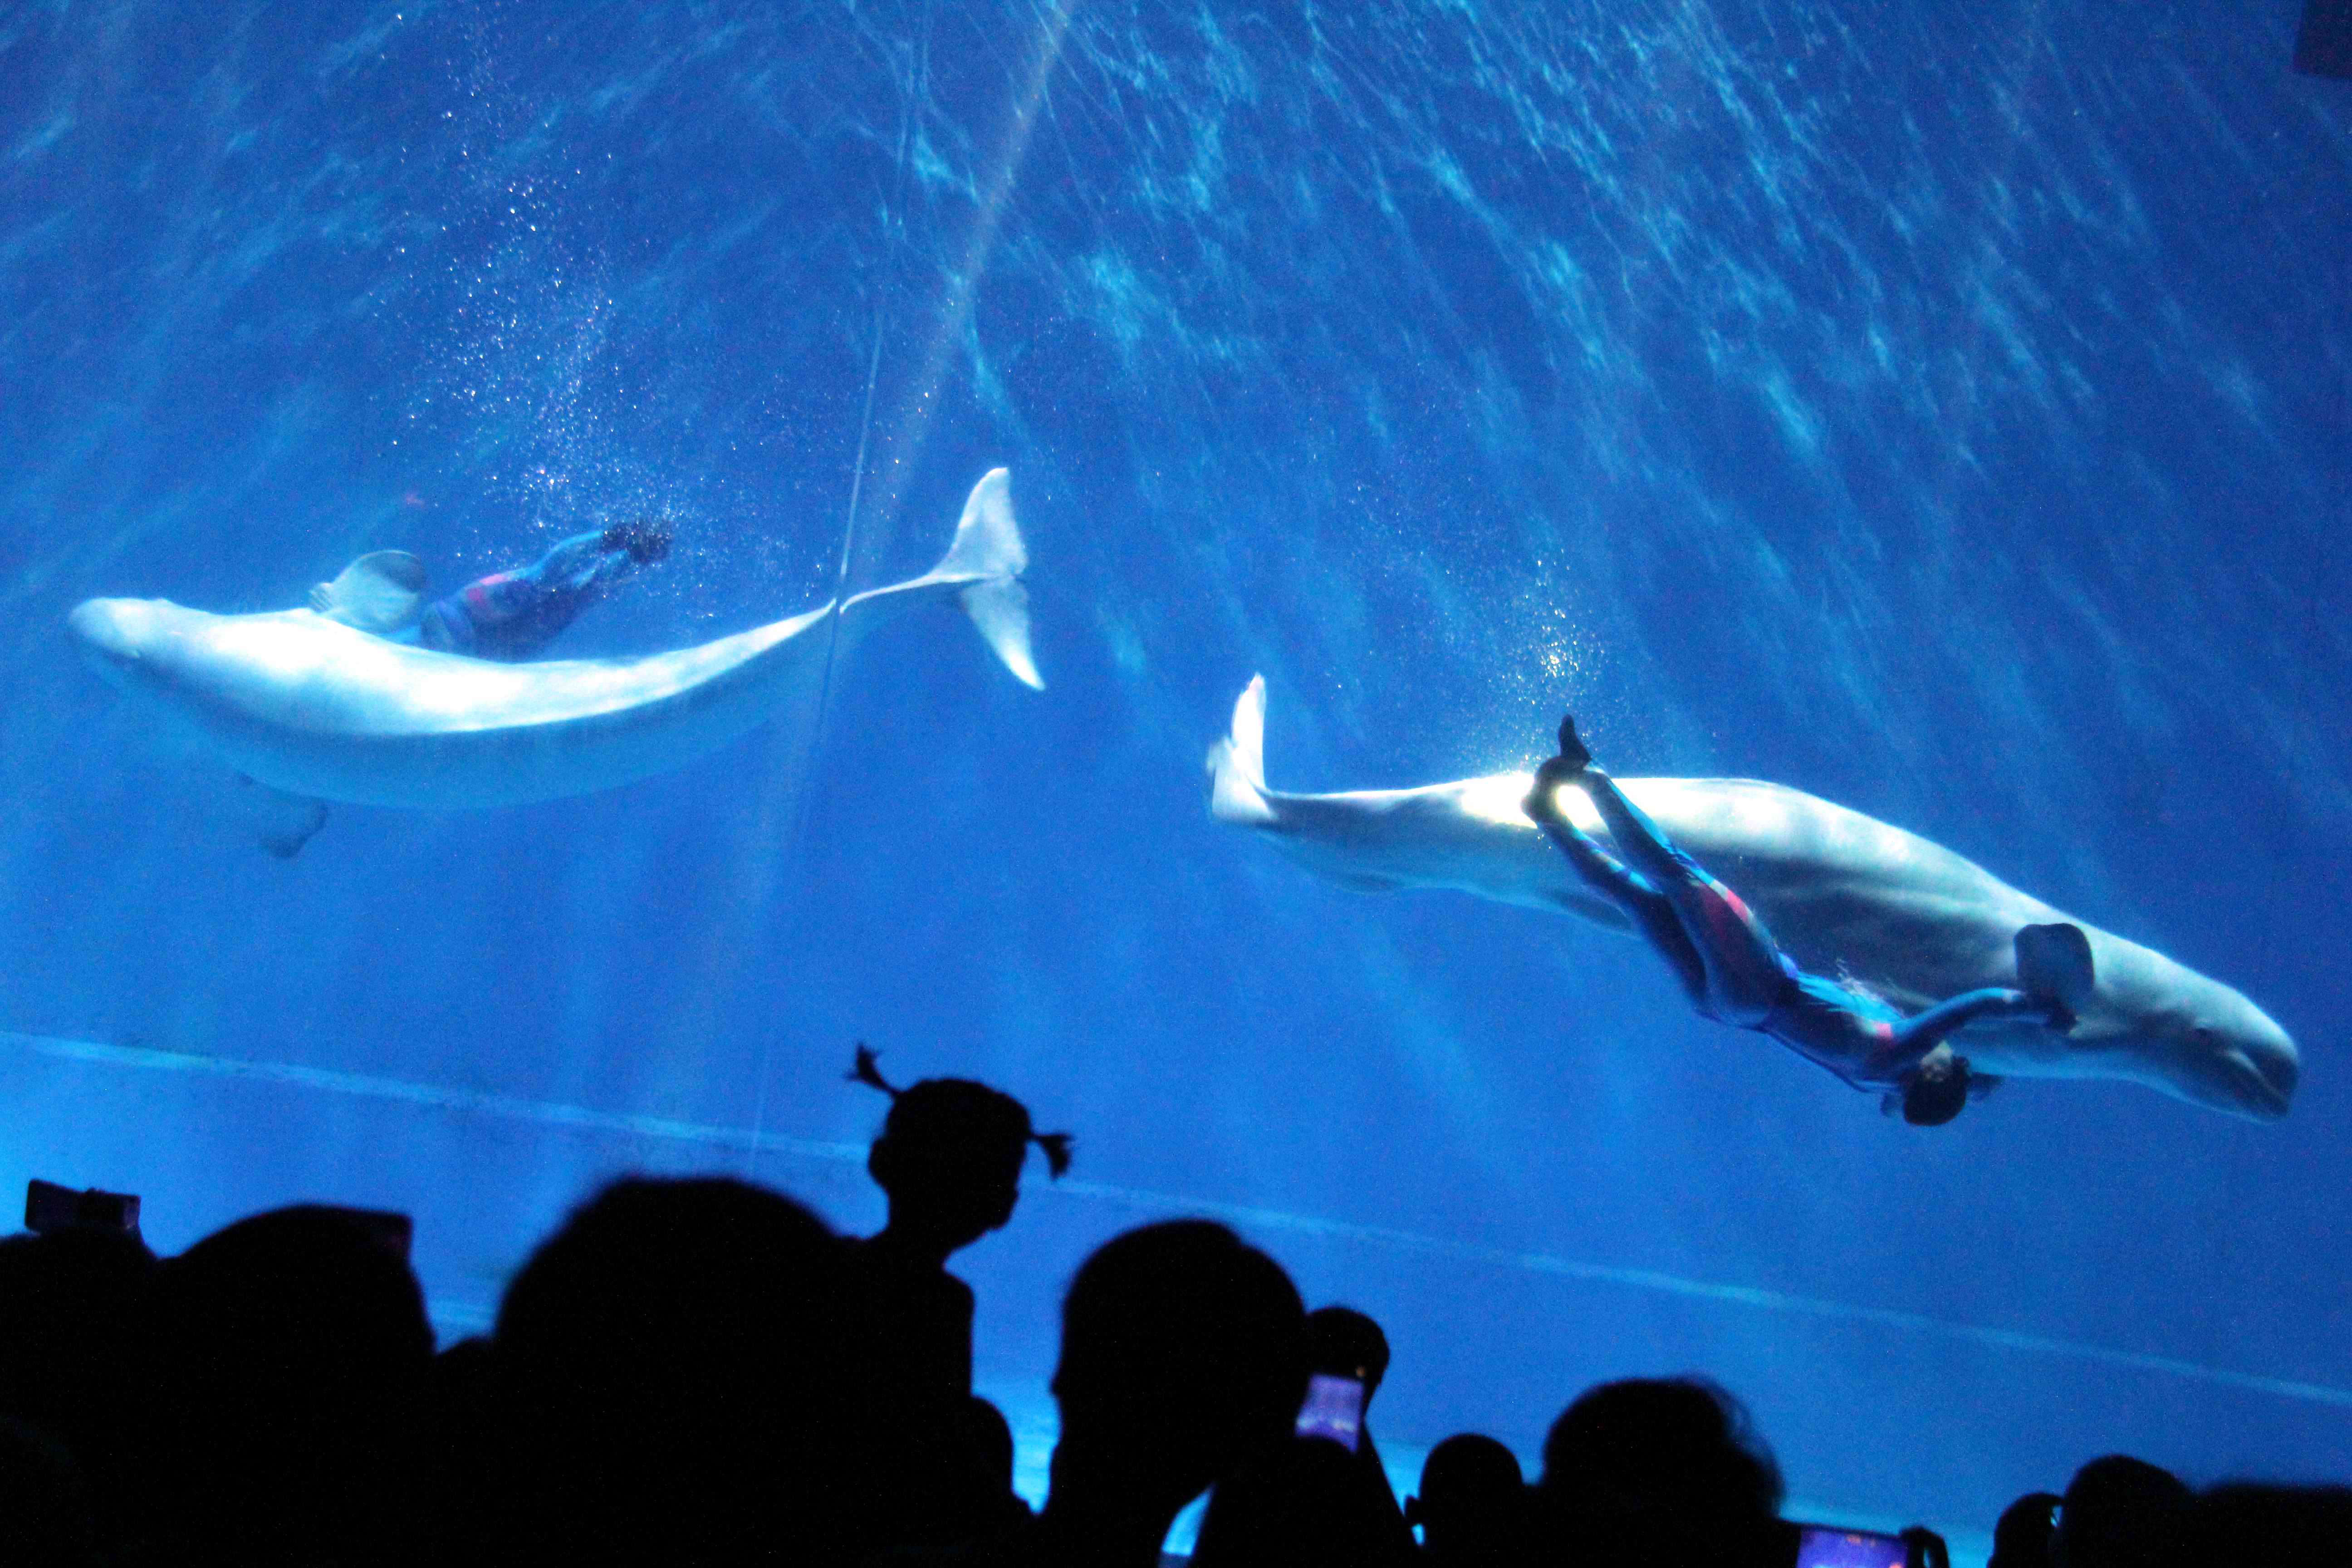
(507, 615)
(1736, 974)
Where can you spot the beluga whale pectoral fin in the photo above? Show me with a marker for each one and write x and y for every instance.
(283, 823)
(2055, 961)
(381, 592)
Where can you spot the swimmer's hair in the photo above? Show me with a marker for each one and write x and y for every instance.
(1932, 1099)
(1056, 1146)
(869, 1072)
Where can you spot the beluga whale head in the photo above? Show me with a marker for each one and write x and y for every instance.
(2189, 1035)
(2232, 1056)
(128, 641)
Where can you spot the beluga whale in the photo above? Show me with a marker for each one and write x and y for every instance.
(1843, 894)
(319, 709)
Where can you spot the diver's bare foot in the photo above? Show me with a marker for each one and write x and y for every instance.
(1573, 758)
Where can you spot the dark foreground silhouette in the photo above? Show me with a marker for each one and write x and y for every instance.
(689, 1372)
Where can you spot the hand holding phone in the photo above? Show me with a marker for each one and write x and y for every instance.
(49, 1207)
(1334, 1411)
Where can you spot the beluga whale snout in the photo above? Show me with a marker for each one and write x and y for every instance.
(111, 632)
(322, 710)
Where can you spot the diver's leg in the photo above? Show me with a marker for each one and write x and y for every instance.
(1649, 910)
(1652, 914)
(1746, 976)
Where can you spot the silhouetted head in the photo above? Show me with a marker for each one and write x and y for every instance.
(1938, 1089)
(1658, 1469)
(1471, 1496)
(2022, 1538)
(2120, 1510)
(677, 1371)
(950, 1155)
(1182, 1347)
(69, 1303)
(284, 1361)
(974, 1474)
(1344, 1342)
(2276, 1526)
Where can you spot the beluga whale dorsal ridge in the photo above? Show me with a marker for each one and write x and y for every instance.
(316, 708)
(1842, 893)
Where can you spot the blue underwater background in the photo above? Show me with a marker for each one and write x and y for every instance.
(1944, 409)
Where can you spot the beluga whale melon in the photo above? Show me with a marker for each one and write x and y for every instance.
(1842, 893)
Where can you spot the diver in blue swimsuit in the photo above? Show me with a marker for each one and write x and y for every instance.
(1736, 974)
(507, 615)
(512, 615)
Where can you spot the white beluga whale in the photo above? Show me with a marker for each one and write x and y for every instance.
(315, 708)
(1844, 894)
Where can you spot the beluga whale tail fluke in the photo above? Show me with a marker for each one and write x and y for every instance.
(1842, 893)
(985, 562)
(1237, 763)
(316, 707)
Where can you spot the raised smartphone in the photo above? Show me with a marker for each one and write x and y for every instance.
(51, 1207)
(1334, 1410)
(1826, 1546)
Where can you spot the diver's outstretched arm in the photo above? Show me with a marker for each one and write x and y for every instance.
(1922, 1032)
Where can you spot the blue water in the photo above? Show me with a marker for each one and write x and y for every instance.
(1944, 409)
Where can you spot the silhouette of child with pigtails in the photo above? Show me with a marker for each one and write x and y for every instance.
(949, 1159)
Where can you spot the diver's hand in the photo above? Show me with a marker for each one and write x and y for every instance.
(647, 538)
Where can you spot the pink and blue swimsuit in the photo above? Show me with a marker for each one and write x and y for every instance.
(512, 615)
(1730, 965)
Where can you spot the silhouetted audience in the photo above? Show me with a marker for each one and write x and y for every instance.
(70, 1309)
(2122, 1512)
(689, 1372)
(282, 1366)
(1299, 1504)
(2272, 1526)
(670, 1369)
(949, 1159)
(46, 1512)
(1472, 1504)
(2021, 1539)
(1653, 1470)
(1324, 1496)
(1183, 1350)
(978, 1481)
